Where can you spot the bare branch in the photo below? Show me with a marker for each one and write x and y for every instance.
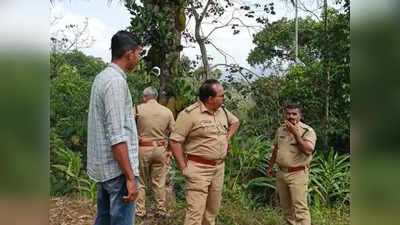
(204, 11)
(194, 11)
(232, 66)
(229, 22)
(236, 65)
(219, 27)
(223, 53)
(54, 20)
(304, 8)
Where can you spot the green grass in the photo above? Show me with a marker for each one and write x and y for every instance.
(232, 213)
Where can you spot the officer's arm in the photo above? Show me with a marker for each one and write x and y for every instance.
(176, 148)
(272, 160)
(120, 153)
(233, 123)
(273, 157)
(270, 170)
(304, 146)
(180, 132)
(171, 127)
(232, 130)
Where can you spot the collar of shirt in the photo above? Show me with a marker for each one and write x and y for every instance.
(118, 69)
(302, 125)
(203, 109)
(151, 101)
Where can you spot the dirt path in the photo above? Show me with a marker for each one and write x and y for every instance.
(75, 211)
(71, 211)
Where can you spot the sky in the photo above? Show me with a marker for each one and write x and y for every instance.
(17, 22)
(105, 19)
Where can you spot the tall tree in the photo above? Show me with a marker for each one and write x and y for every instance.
(160, 23)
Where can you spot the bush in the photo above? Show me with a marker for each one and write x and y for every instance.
(71, 168)
(69, 103)
(330, 179)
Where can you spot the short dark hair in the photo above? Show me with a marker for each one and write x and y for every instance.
(122, 42)
(293, 105)
(206, 90)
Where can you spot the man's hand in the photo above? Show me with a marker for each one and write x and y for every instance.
(132, 191)
(176, 148)
(229, 147)
(167, 155)
(182, 167)
(270, 172)
(291, 128)
(120, 152)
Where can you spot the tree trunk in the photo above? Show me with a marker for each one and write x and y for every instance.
(167, 59)
(201, 41)
(297, 33)
(204, 56)
(327, 71)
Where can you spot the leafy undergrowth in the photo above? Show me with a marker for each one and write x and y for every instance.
(71, 210)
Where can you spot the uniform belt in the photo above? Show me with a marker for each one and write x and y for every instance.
(293, 169)
(151, 143)
(202, 160)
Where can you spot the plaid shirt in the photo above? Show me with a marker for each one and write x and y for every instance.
(110, 122)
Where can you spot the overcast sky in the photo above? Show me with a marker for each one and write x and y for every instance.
(106, 19)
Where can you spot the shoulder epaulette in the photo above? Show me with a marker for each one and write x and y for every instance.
(191, 107)
(305, 131)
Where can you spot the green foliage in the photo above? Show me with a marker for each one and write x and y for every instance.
(185, 93)
(304, 83)
(87, 66)
(330, 179)
(274, 44)
(246, 159)
(246, 162)
(139, 79)
(69, 103)
(71, 167)
(72, 74)
(232, 214)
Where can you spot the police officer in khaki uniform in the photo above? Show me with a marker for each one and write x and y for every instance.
(155, 123)
(199, 144)
(294, 144)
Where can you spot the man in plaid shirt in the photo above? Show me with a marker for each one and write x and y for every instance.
(112, 150)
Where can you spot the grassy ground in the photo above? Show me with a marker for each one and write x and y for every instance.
(71, 210)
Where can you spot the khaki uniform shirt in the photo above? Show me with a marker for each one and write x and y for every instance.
(203, 133)
(288, 154)
(155, 121)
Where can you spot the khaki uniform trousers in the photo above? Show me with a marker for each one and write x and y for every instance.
(292, 188)
(203, 192)
(151, 165)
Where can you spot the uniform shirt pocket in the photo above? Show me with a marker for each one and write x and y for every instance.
(205, 128)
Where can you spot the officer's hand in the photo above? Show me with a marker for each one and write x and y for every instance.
(167, 157)
(182, 167)
(132, 191)
(270, 172)
(291, 128)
